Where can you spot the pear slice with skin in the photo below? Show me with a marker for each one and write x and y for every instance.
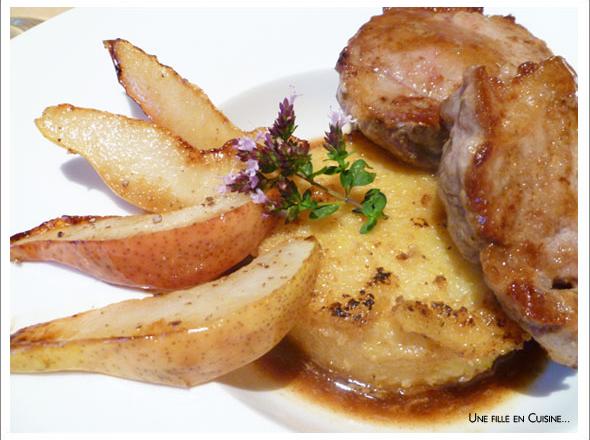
(144, 164)
(185, 337)
(152, 251)
(168, 99)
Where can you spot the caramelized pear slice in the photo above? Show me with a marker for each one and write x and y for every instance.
(151, 251)
(142, 163)
(183, 338)
(168, 99)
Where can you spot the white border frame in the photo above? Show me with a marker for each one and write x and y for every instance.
(583, 82)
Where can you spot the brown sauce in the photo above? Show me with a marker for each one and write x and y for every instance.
(287, 366)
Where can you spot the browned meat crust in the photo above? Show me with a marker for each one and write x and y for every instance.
(400, 66)
(508, 178)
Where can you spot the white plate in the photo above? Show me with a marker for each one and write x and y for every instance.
(245, 60)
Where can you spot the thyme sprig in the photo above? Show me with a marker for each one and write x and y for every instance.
(275, 157)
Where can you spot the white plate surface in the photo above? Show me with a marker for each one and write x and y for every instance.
(245, 60)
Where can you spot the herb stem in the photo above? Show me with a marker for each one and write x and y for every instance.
(333, 193)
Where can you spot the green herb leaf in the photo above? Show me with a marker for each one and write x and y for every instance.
(328, 171)
(292, 213)
(361, 177)
(356, 175)
(372, 207)
(368, 225)
(339, 156)
(307, 169)
(346, 180)
(373, 203)
(307, 202)
(323, 211)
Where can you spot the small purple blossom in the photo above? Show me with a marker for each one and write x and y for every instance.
(246, 148)
(252, 167)
(269, 143)
(243, 182)
(251, 171)
(338, 119)
(254, 181)
(260, 135)
(230, 179)
(291, 98)
(259, 197)
(245, 144)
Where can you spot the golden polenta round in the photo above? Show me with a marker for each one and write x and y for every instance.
(397, 308)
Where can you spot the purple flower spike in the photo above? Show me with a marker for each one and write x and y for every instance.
(284, 125)
(340, 124)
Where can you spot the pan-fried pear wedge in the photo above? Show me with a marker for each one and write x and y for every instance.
(141, 162)
(168, 99)
(169, 251)
(183, 338)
